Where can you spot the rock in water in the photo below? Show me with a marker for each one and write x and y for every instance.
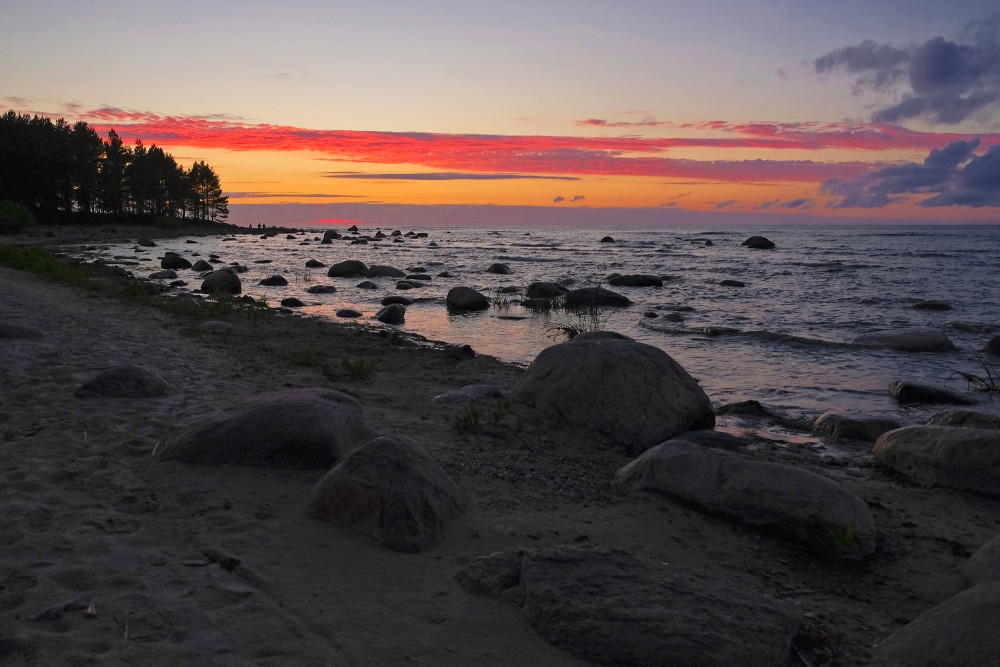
(274, 281)
(863, 429)
(380, 270)
(993, 347)
(292, 428)
(174, 261)
(984, 565)
(223, 281)
(502, 269)
(960, 631)
(392, 490)
(587, 297)
(907, 392)
(202, 265)
(758, 243)
(609, 607)
(124, 382)
(636, 280)
(466, 298)
(967, 459)
(966, 418)
(908, 340)
(351, 268)
(633, 393)
(394, 313)
(827, 516)
(541, 290)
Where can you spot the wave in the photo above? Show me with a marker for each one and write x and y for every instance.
(762, 335)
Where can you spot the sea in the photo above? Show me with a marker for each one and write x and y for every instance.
(783, 339)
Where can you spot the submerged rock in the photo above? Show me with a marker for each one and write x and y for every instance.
(11, 330)
(381, 270)
(827, 516)
(908, 340)
(542, 290)
(502, 269)
(932, 305)
(635, 280)
(633, 393)
(587, 297)
(274, 281)
(322, 289)
(993, 346)
(609, 607)
(174, 261)
(909, 392)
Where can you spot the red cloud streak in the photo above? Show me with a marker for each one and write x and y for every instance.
(611, 156)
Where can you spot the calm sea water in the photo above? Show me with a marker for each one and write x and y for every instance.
(802, 304)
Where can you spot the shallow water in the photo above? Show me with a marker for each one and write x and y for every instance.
(802, 304)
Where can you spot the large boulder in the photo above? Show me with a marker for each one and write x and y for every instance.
(124, 382)
(466, 298)
(907, 340)
(394, 313)
(351, 268)
(758, 243)
(174, 261)
(276, 280)
(611, 608)
(907, 393)
(827, 516)
(633, 393)
(381, 270)
(959, 631)
(967, 459)
(392, 490)
(223, 281)
(842, 427)
(635, 280)
(202, 265)
(588, 297)
(292, 428)
(966, 418)
(497, 267)
(984, 565)
(542, 290)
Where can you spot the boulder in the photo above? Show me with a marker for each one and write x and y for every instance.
(502, 269)
(348, 312)
(992, 347)
(466, 298)
(11, 330)
(966, 418)
(959, 631)
(633, 393)
(408, 284)
(292, 428)
(907, 340)
(292, 302)
(713, 439)
(907, 393)
(419, 276)
(801, 505)
(984, 565)
(202, 265)
(322, 289)
(352, 228)
(350, 268)
(380, 270)
(932, 305)
(607, 239)
(147, 243)
(967, 459)
(587, 297)
(542, 290)
(315, 264)
(468, 394)
(635, 280)
(863, 429)
(223, 281)
(394, 298)
(609, 607)
(758, 243)
(392, 490)
(394, 313)
(274, 281)
(366, 284)
(732, 283)
(124, 382)
(165, 274)
(174, 261)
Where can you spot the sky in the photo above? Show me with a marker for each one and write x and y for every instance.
(646, 111)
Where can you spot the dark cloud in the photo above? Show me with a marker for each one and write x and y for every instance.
(291, 195)
(941, 80)
(802, 203)
(578, 198)
(444, 176)
(558, 199)
(951, 176)
(725, 204)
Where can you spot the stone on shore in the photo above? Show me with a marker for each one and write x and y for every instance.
(11, 330)
(292, 428)
(984, 565)
(967, 459)
(635, 280)
(966, 418)
(174, 261)
(292, 302)
(908, 340)
(907, 393)
(809, 508)
(960, 631)
(125, 381)
(351, 268)
(468, 394)
(609, 607)
(587, 297)
(223, 281)
(758, 243)
(863, 429)
(392, 490)
(466, 298)
(394, 313)
(542, 290)
(165, 274)
(633, 393)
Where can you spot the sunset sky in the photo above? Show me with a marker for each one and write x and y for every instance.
(456, 112)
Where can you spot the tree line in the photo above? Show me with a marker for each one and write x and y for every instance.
(63, 172)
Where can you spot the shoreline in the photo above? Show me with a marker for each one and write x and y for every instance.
(90, 511)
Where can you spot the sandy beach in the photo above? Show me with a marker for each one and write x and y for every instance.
(110, 556)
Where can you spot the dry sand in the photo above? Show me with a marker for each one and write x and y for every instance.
(89, 514)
